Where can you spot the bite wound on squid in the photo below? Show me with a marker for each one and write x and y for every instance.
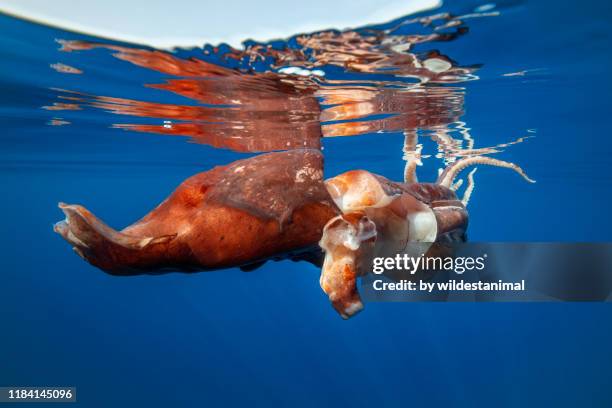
(348, 241)
(380, 218)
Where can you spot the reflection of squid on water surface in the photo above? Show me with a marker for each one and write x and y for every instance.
(283, 96)
(274, 206)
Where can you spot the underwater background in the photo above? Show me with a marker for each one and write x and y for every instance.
(117, 130)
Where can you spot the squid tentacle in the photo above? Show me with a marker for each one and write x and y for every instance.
(448, 175)
(470, 187)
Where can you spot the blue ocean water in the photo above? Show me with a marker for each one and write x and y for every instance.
(269, 337)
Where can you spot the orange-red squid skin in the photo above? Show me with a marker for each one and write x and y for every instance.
(234, 215)
(267, 206)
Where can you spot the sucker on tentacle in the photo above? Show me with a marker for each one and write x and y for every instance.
(448, 175)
